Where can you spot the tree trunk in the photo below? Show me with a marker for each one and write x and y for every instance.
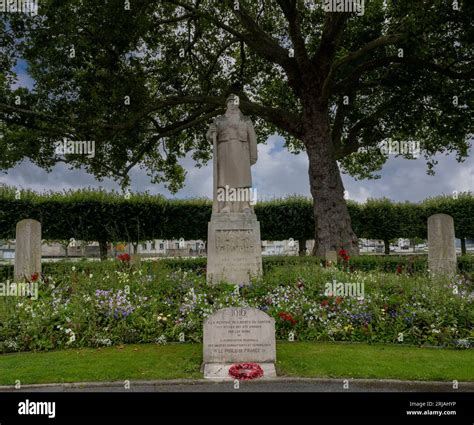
(103, 250)
(302, 247)
(386, 243)
(463, 246)
(333, 229)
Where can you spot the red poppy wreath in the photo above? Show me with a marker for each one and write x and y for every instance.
(246, 371)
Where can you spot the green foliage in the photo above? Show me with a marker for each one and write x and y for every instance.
(416, 264)
(404, 264)
(112, 304)
(177, 61)
(95, 215)
(461, 209)
(280, 218)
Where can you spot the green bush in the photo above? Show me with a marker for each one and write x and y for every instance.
(403, 263)
(95, 215)
(391, 264)
(108, 303)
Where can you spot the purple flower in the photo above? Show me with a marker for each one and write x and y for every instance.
(114, 304)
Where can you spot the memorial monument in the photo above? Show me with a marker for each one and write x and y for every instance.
(27, 249)
(236, 335)
(234, 253)
(441, 245)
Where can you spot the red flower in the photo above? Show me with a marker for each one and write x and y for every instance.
(399, 269)
(124, 258)
(34, 277)
(324, 303)
(343, 255)
(287, 317)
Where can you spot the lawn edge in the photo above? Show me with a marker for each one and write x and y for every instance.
(463, 386)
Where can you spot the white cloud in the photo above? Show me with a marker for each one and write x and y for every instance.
(277, 173)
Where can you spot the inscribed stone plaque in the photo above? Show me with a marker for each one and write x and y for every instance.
(239, 334)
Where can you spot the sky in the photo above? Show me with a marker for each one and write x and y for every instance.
(277, 173)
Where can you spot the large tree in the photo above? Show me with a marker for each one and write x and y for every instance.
(143, 79)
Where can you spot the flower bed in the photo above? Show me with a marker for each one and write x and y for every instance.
(412, 264)
(101, 304)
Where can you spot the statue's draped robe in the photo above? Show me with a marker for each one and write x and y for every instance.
(236, 149)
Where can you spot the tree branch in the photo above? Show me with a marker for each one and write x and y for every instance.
(257, 39)
(353, 80)
(370, 46)
(195, 118)
(292, 15)
(333, 29)
(281, 118)
(351, 144)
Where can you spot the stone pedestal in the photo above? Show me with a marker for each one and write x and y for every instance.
(27, 249)
(234, 252)
(441, 245)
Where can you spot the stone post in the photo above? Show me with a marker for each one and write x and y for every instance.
(27, 249)
(441, 245)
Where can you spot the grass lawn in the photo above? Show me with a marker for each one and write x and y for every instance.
(150, 361)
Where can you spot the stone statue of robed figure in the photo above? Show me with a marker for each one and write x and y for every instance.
(235, 141)
(234, 253)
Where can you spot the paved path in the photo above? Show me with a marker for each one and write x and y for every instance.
(270, 385)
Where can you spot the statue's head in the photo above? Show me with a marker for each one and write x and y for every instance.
(232, 102)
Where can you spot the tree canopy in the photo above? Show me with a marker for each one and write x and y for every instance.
(144, 78)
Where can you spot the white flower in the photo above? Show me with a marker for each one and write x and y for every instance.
(72, 336)
(73, 268)
(91, 276)
(10, 343)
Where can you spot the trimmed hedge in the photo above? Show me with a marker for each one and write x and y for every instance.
(412, 264)
(94, 215)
